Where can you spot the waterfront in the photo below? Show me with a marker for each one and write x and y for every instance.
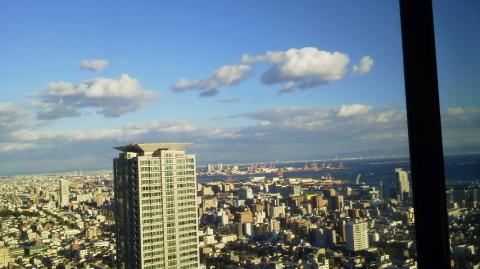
(465, 167)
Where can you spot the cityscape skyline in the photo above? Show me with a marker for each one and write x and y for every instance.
(149, 211)
(245, 134)
(237, 88)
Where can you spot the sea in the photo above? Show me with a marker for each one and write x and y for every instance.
(458, 168)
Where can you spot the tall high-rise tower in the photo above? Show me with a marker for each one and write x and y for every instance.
(155, 196)
(402, 184)
(356, 235)
(381, 189)
(64, 192)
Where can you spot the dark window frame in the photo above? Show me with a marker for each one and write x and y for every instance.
(425, 134)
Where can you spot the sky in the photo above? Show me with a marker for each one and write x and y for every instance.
(244, 81)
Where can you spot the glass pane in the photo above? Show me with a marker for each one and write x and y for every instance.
(458, 60)
(295, 111)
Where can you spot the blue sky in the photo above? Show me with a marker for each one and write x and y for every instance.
(353, 107)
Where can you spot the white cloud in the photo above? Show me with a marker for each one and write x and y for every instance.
(94, 65)
(400, 135)
(226, 75)
(347, 118)
(12, 147)
(277, 133)
(364, 66)
(112, 97)
(461, 117)
(301, 68)
(14, 117)
(354, 110)
(456, 111)
(294, 68)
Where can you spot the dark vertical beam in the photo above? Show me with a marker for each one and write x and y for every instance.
(425, 134)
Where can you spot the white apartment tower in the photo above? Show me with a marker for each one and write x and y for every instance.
(356, 235)
(155, 196)
(64, 192)
(402, 184)
(209, 168)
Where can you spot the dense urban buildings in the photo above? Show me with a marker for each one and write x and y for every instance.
(294, 216)
(36, 232)
(156, 215)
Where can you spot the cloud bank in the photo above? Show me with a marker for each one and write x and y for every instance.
(269, 134)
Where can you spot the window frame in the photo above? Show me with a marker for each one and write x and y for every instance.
(425, 134)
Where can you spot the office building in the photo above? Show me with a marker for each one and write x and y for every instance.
(277, 211)
(356, 236)
(245, 193)
(381, 188)
(209, 168)
(155, 195)
(402, 184)
(4, 257)
(64, 192)
(335, 202)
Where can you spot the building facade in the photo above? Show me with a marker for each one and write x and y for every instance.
(64, 192)
(4, 257)
(155, 196)
(356, 235)
(403, 184)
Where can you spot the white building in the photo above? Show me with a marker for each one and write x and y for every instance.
(209, 168)
(277, 211)
(64, 192)
(156, 218)
(356, 236)
(402, 184)
(209, 239)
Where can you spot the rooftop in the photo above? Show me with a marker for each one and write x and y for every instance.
(151, 147)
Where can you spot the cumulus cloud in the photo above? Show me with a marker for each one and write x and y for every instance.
(276, 133)
(12, 147)
(354, 110)
(301, 68)
(226, 75)
(97, 65)
(14, 117)
(353, 118)
(111, 97)
(364, 66)
(50, 111)
(293, 69)
(461, 117)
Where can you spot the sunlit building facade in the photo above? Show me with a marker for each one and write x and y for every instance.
(155, 195)
(356, 235)
(64, 192)
(402, 184)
